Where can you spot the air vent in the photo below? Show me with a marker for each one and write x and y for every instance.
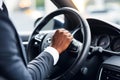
(107, 74)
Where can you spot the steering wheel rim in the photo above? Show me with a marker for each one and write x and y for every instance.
(75, 67)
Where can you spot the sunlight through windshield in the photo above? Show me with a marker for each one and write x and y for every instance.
(108, 10)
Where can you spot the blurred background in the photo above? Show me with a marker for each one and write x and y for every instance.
(24, 12)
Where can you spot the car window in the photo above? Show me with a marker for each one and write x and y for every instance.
(25, 12)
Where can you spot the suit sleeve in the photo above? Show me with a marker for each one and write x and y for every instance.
(12, 66)
(41, 65)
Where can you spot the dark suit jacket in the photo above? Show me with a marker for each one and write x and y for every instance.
(13, 63)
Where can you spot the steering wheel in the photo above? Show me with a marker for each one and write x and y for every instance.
(73, 64)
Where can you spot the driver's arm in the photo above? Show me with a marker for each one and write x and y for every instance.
(12, 64)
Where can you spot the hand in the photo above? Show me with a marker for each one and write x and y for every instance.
(61, 40)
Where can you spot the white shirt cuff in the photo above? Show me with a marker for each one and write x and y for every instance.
(54, 53)
(1, 3)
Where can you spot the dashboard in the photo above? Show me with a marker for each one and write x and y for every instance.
(104, 34)
(107, 36)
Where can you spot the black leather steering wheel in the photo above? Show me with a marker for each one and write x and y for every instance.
(76, 64)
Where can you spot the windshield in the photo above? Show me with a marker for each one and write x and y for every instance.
(108, 10)
(24, 12)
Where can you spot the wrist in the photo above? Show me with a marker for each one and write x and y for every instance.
(54, 53)
(59, 51)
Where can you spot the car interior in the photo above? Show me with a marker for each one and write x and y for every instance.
(94, 53)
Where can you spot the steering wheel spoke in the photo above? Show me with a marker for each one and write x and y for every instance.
(75, 47)
(39, 37)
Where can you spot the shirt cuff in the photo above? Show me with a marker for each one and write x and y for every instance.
(1, 3)
(54, 53)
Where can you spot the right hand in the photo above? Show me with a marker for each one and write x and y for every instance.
(61, 40)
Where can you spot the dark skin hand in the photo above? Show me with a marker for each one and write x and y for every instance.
(61, 40)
